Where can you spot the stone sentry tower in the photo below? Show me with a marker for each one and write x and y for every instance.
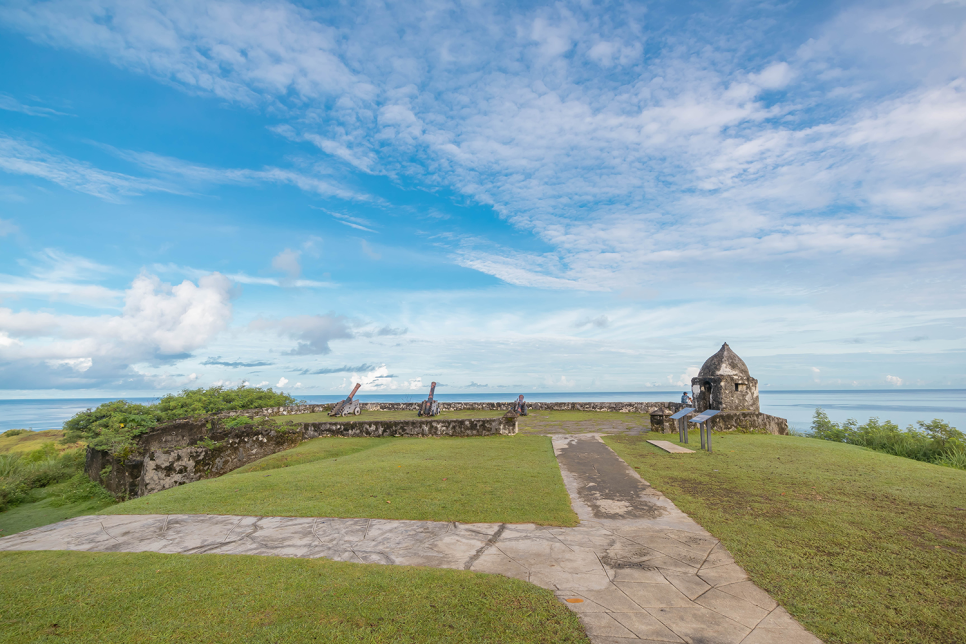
(724, 383)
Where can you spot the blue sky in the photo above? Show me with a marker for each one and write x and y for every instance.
(499, 197)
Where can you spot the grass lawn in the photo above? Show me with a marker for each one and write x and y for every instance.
(30, 441)
(508, 479)
(146, 597)
(44, 512)
(860, 546)
(50, 504)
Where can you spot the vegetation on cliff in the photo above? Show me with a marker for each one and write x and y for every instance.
(114, 425)
(933, 442)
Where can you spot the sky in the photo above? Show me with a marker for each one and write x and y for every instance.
(500, 197)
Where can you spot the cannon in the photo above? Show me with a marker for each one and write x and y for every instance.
(348, 406)
(519, 407)
(429, 407)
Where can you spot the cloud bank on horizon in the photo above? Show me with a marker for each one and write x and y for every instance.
(547, 196)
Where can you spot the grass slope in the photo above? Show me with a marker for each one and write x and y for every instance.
(858, 545)
(53, 503)
(492, 479)
(31, 440)
(85, 597)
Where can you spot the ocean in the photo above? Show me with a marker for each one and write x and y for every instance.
(902, 406)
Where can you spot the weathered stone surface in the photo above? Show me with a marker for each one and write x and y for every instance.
(415, 427)
(749, 420)
(724, 383)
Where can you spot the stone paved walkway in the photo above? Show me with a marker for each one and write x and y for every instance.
(636, 569)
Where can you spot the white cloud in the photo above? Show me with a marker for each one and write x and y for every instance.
(22, 158)
(10, 104)
(774, 76)
(158, 322)
(241, 278)
(77, 364)
(414, 383)
(288, 262)
(893, 380)
(7, 341)
(281, 382)
(312, 332)
(262, 383)
(372, 380)
(7, 227)
(684, 380)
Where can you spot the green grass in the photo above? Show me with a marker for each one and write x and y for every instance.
(30, 441)
(574, 422)
(43, 506)
(858, 545)
(508, 479)
(82, 597)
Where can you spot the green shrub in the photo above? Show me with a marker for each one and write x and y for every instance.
(115, 425)
(14, 432)
(37, 469)
(81, 488)
(932, 442)
(10, 465)
(238, 421)
(954, 456)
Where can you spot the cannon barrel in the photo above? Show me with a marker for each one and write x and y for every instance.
(432, 388)
(354, 390)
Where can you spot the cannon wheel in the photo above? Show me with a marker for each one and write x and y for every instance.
(357, 411)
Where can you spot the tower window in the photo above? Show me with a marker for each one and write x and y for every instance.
(739, 386)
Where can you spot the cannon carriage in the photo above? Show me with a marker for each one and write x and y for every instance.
(349, 406)
(429, 407)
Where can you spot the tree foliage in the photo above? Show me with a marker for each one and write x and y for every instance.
(114, 425)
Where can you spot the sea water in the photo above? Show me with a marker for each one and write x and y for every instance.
(901, 406)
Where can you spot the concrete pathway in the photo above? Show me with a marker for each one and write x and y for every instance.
(636, 568)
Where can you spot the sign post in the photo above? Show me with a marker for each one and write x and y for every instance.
(704, 426)
(682, 424)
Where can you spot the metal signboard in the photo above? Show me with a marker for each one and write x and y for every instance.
(705, 415)
(682, 413)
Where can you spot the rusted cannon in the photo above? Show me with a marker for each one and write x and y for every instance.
(429, 407)
(348, 406)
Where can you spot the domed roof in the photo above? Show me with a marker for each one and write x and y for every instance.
(724, 363)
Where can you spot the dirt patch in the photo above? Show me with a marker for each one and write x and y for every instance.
(605, 484)
(538, 426)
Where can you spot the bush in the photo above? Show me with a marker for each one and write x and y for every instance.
(37, 469)
(932, 442)
(81, 488)
(113, 426)
(14, 432)
(238, 421)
